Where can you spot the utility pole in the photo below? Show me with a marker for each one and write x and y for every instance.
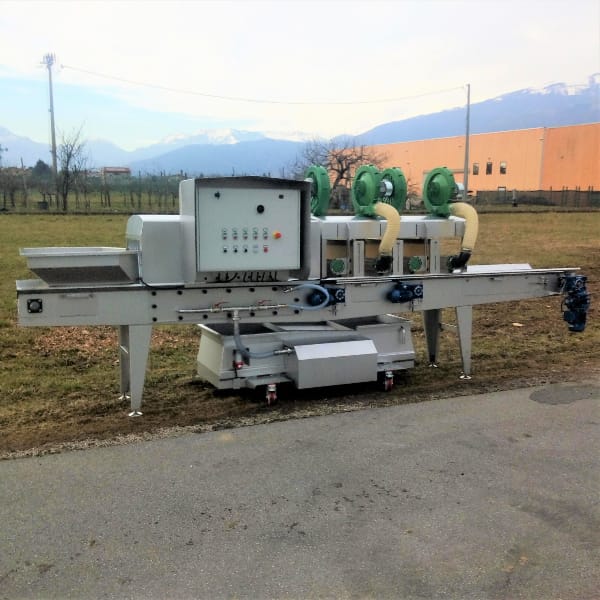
(48, 60)
(466, 175)
(25, 193)
(1, 151)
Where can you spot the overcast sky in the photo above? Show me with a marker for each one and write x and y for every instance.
(322, 67)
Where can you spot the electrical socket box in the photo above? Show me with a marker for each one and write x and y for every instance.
(245, 226)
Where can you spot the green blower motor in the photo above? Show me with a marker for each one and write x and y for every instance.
(320, 190)
(381, 194)
(440, 193)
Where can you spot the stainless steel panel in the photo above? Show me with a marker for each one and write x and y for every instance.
(391, 335)
(493, 269)
(160, 242)
(337, 363)
(411, 227)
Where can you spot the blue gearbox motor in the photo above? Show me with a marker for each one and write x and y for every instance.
(576, 302)
(405, 292)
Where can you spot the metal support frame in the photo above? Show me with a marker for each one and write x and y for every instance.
(135, 308)
(431, 324)
(464, 321)
(134, 346)
(464, 326)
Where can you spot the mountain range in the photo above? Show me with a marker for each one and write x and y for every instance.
(231, 151)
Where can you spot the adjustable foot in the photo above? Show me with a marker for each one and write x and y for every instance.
(135, 413)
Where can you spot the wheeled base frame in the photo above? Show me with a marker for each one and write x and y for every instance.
(307, 355)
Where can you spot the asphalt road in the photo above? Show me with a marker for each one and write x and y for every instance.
(483, 497)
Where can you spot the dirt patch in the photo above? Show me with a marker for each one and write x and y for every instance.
(201, 409)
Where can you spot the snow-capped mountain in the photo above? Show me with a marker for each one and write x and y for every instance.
(205, 137)
(227, 151)
(293, 136)
(212, 136)
(555, 105)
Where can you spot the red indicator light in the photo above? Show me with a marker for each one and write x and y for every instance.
(277, 234)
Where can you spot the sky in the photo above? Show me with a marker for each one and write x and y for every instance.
(137, 72)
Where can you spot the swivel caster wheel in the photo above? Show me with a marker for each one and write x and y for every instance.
(388, 382)
(271, 394)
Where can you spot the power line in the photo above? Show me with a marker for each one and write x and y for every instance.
(258, 100)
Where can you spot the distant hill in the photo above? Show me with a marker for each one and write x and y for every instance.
(228, 151)
(215, 137)
(259, 157)
(17, 148)
(554, 106)
(101, 153)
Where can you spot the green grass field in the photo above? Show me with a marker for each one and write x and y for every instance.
(60, 385)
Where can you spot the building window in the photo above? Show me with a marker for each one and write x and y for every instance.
(475, 168)
(488, 168)
(503, 168)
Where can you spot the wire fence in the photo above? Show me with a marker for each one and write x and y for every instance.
(122, 195)
(161, 196)
(563, 198)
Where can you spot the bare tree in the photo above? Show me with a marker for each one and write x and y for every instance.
(341, 158)
(9, 185)
(72, 162)
(414, 198)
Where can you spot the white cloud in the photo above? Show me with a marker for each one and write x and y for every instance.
(304, 51)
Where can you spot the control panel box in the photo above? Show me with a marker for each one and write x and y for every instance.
(247, 225)
(247, 229)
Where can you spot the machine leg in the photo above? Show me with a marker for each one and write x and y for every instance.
(431, 323)
(134, 345)
(464, 321)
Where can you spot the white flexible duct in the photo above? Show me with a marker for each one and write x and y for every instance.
(388, 212)
(469, 214)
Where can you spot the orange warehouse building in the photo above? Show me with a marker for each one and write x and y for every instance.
(528, 159)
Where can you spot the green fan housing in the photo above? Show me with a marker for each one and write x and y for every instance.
(439, 190)
(399, 190)
(320, 190)
(371, 186)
